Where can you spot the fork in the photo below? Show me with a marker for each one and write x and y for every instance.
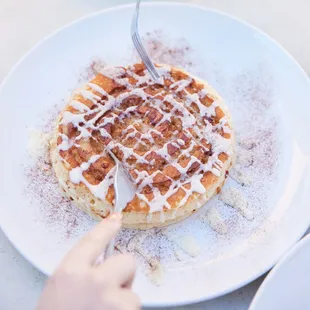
(139, 46)
(123, 192)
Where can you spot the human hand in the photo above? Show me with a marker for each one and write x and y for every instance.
(81, 284)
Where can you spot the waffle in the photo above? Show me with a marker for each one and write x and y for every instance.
(174, 138)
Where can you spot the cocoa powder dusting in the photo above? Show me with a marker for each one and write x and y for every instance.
(43, 191)
(91, 70)
(163, 50)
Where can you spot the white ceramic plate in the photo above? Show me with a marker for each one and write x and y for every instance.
(268, 95)
(287, 285)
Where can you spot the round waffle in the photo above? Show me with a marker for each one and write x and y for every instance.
(173, 137)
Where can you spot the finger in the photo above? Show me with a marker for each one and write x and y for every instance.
(118, 270)
(122, 300)
(91, 245)
(129, 300)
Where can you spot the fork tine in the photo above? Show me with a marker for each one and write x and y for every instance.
(142, 52)
(139, 45)
(150, 66)
(148, 63)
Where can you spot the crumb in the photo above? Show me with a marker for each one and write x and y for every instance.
(37, 143)
(215, 221)
(188, 244)
(156, 273)
(235, 198)
(178, 254)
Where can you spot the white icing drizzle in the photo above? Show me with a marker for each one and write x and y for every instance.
(195, 127)
(66, 144)
(79, 106)
(100, 190)
(98, 89)
(180, 142)
(180, 85)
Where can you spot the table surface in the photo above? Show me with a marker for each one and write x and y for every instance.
(24, 23)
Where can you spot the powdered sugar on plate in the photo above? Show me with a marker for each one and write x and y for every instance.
(222, 225)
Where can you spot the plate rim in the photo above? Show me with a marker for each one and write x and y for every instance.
(291, 254)
(296, 64)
